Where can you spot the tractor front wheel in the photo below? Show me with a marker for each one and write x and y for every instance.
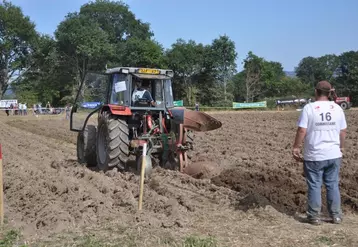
(344, 105)
(86, 146)
(112, 142)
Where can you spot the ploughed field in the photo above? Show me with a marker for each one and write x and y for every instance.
(252, 192)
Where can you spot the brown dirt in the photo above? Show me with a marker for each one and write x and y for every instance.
(243, 199)
(265, 167)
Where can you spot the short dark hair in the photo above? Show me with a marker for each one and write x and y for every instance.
(145, 83)
(323, 93)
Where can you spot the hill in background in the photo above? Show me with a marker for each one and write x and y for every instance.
(290, 73)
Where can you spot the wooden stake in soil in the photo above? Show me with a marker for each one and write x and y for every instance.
(1, 191)
(142, 173)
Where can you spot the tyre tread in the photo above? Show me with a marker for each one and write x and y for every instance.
(118, 143)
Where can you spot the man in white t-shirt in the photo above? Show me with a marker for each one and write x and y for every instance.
(141, 92)
(322, 126)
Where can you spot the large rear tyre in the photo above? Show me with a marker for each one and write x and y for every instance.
(86, 146)
(344, 105)
(112, 142)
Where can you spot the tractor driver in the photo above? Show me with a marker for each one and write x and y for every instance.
(141, 92)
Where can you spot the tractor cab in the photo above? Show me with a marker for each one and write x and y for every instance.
(123, 91)
(141, 88)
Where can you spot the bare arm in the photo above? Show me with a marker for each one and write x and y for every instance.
(342, 137)
(296, 151)
(300, 135)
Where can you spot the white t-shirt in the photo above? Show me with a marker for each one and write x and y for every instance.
(138, 94)
(323, 120)
(141, 94)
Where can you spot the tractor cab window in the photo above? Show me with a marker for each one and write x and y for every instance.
(147, 93)
(91, 95)
(169, 98)
(118, 90)
(158, 93)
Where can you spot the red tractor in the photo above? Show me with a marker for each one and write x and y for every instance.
(344, 102)
(127, 120)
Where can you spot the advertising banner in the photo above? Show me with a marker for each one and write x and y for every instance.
(7, 102)
(90, 105)
(178, 103)
(261, 104)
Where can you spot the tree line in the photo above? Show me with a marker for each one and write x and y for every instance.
(102, 33)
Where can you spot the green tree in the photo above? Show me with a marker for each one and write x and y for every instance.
(224, 55)
(17, 36)
(328, 67)
(272, 71)
(83, 45)
(346, 81)
(253, 66)
(261, 79)
(115, 18)
(272, 75)
(307, 70)
(292, 87)
(104, 33)
(140, 53)
(46, 80)
(312, 70)
(186, 60)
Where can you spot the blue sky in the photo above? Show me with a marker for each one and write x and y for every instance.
(278, 30)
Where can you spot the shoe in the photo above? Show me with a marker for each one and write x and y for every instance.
(314, 221)
(336, 220)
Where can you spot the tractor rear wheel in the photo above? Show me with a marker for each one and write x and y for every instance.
(112, 142)
(86, 146)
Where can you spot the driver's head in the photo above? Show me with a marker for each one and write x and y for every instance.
(145, 84)
(142, 83)
(137, 82)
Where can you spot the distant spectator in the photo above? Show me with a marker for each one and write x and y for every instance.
(16, 108)
(20, 108)
(34, 109)
(39, 110)
(12, 109)
(68, 110)
(196, 107)
(24, 108)
(7, 110)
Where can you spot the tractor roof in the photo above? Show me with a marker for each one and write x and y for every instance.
(143, 73)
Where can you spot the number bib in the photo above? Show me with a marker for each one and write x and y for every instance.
(324, 120)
